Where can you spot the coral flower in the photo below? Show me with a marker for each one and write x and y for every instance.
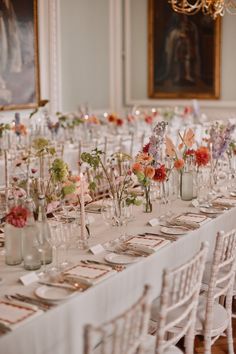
(144, 158)
(149, 119)
(202, 156)
(160, 174)
(179, 164)
(137, 167)
(17, 216)
(149, 172)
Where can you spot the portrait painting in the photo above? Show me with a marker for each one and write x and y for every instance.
(183, 52)
(19, 57)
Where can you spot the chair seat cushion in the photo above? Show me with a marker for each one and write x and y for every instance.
(220, 316)
(149, 346)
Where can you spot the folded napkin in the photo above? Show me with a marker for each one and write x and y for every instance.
(12, 314)
(148, 244)
(192, 219)
(89, 274)
(224, 202)
(184, 223)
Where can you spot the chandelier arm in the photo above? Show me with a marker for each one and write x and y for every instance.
(184, 7)
(230, 6)
(213, 8)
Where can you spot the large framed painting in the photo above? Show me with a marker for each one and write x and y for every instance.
(183, 53)
(19, 57)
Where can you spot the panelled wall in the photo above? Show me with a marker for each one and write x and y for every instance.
(95, 52)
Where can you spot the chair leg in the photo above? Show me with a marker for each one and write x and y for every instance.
(230, 339)
(189, 340)
(207, 345)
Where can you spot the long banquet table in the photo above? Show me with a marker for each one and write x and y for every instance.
(60, 330)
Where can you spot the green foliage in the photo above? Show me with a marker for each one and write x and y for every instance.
(93, 159)
(59, 171)
(133, 200)
(4, 127)
(68, 189)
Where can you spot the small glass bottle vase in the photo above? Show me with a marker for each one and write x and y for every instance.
(13, 244)
(147, 204)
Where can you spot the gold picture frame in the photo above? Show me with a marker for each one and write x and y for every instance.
(19, 55)
(184, 54)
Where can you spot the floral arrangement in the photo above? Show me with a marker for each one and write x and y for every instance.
(70, 120)
(93, 120)
(4, 127)
(200, 156)
(220, 138)
(148, 164)
(19, 129)
(117, 175)
(114, 119)
(17, 216)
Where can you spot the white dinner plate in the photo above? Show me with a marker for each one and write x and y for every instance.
(115, 258)
(174, 230)
(212, 211)
(51, 293)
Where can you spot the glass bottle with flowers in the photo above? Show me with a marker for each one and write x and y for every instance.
(148, 164)
(15, 222)
(112, 178)
(183, 162)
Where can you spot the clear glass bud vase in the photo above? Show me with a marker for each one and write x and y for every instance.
(13, 244)
(147, 204)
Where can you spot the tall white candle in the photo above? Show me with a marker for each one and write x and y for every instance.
(82, 210)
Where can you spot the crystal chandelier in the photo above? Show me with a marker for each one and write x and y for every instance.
(214, 8)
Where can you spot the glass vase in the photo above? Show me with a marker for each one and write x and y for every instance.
(186, 186)
(147, 204)
(13, 245)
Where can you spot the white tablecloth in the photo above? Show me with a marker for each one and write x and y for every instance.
(60, 330)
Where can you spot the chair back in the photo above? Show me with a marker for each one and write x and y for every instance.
(178, 302)
(123, 334)
(222, 274)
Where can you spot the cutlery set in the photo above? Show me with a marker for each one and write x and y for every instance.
(41, 304)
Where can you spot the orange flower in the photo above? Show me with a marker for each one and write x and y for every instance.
(160, 174)
(144, 158)
(93, 120)
(137, 167)
(112, 118)
(20, 129)
(149, 172)
(202, 155)
(179, 164)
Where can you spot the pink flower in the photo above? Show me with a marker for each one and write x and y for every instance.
(17, 216)
(148, 119)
